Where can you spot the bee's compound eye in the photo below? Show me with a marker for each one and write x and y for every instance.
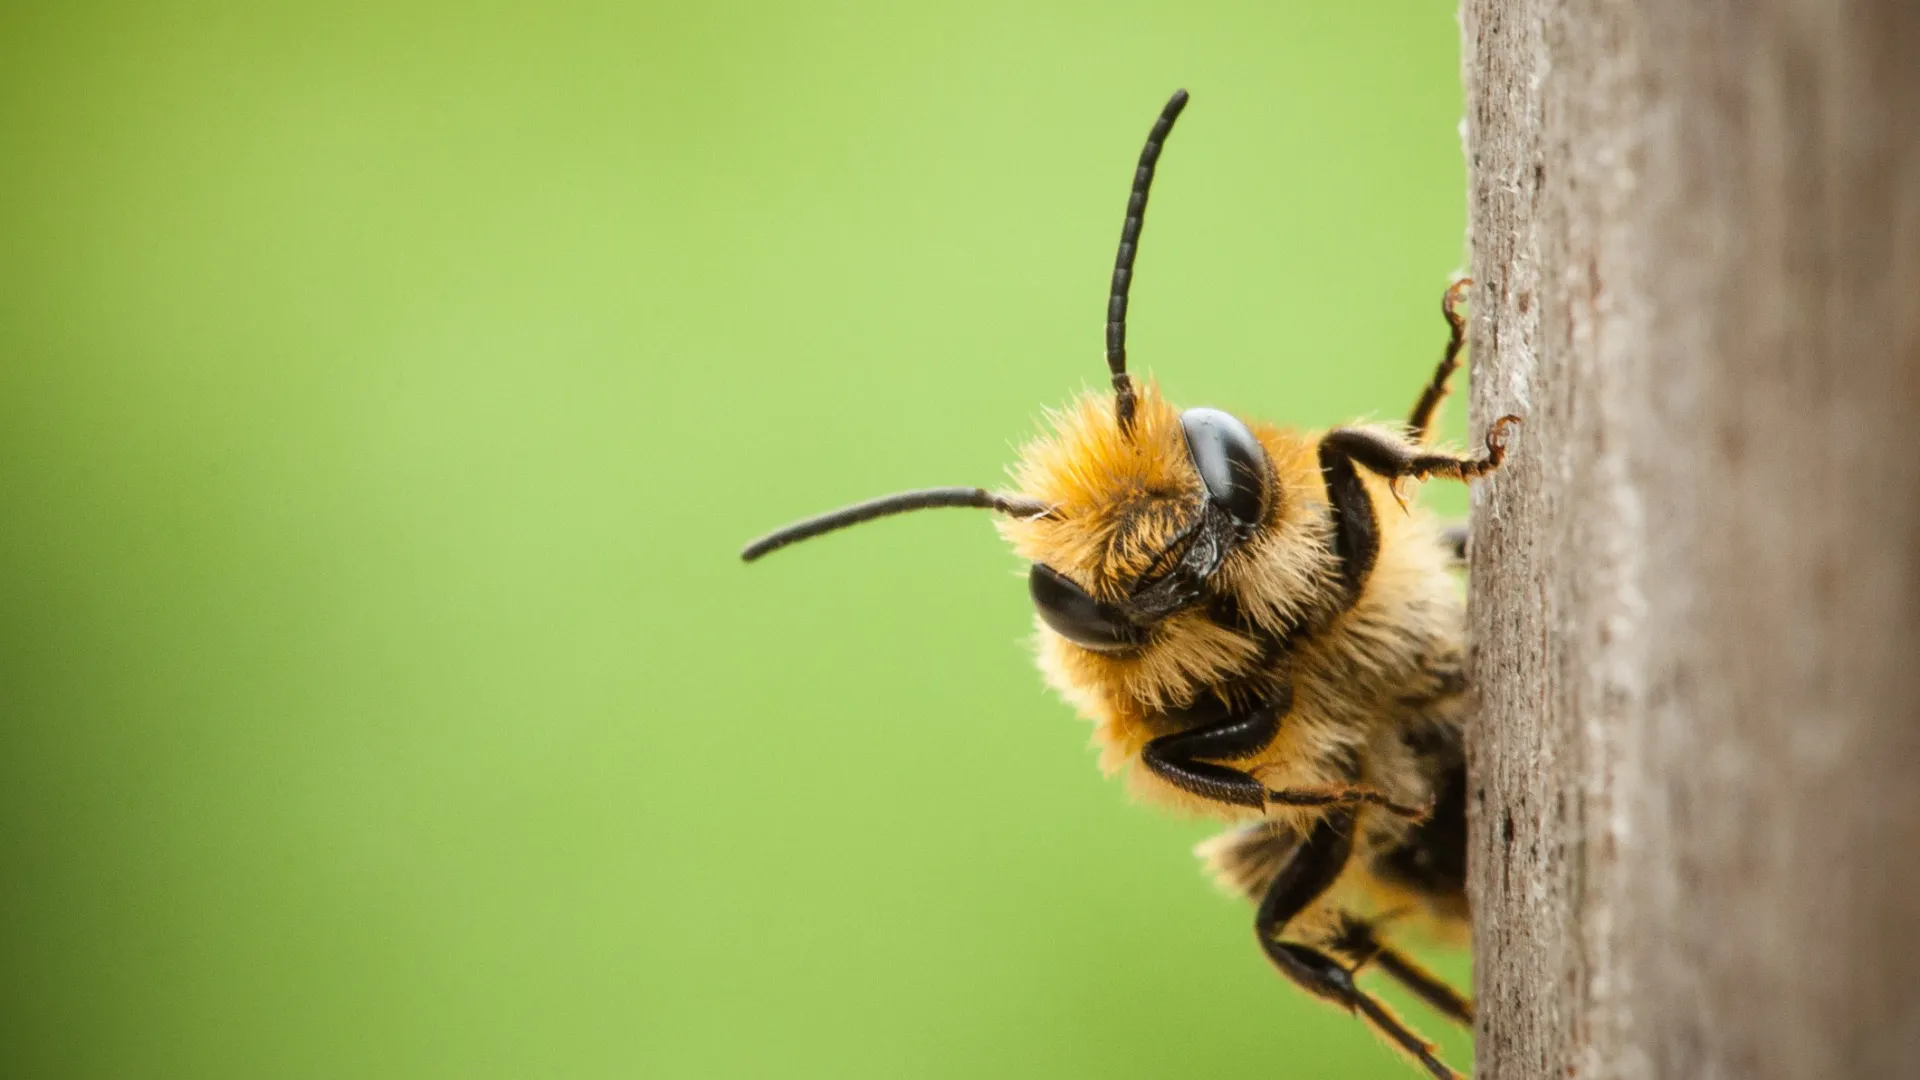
(1231, 463)
(1078, 617)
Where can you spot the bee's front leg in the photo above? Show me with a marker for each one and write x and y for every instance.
(1177, 759)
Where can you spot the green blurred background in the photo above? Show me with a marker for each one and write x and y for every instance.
(385, 391)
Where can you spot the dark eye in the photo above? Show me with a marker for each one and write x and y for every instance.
(1078, 617)
(1231, 463)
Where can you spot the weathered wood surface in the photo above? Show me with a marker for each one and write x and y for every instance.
(1696, 584)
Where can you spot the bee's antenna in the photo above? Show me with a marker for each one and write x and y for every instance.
(1123, 262)
(887, 506)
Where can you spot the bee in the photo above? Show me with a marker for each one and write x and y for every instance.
(1261, 630)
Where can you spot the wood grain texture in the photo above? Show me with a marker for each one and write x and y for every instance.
(1696, 585)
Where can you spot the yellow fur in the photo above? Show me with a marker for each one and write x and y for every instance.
(1116, 501)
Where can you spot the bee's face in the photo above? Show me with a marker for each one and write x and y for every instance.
(1140, 521)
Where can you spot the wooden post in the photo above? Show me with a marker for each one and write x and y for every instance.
(1696, 584)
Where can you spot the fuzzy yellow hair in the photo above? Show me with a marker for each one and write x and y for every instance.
(1118, 499)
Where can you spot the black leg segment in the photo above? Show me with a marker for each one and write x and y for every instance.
(1323, 977)
(1395, 459)
(1177, 759)
(1344, 451)
(1426, 986)
(1356, 532)
(1316, 862)
(1358, 942)
(1315, 865)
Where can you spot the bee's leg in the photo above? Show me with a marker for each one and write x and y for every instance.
(1344, 451)
(1358, 942)
(1420, 422)
(1396, 459)
(1316, 863)
(1322, 976)
(1346, 796)
(1426, 986)
(1177, 758)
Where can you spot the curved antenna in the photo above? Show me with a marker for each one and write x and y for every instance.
(887, 506)
(1123, 262)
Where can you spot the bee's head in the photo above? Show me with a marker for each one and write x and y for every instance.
(1127, 526)
(1139, 519)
